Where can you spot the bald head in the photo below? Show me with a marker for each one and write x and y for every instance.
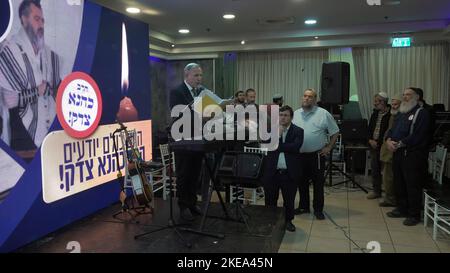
(309, 98)
(193, 74)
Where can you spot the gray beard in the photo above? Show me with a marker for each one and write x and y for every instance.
(36, 41)
(394, 112)
(307, 107)
(405, 107)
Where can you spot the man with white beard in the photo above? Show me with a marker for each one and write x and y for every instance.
(29, 78)
(408, 140)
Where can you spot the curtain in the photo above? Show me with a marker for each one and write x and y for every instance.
(393, 69)
(287, 73)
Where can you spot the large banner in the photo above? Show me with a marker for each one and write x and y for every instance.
(69, 70)
(70, 166)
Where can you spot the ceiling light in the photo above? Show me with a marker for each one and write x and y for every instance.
(183, 31)
(133, 10)
(173, 45)
(242, 42)
(229, 16)
(311, 22)
(317, 37)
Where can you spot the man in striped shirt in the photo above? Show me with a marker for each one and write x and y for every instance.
(29, 78)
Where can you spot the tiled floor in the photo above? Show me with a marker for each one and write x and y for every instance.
(352, 221)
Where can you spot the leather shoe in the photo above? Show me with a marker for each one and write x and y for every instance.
(396, 214)
(319, 215)
(186, 215)
(289, 226)
(386, 204)
(373, 195)
(411, 221)
(301, 211)
(196, 210)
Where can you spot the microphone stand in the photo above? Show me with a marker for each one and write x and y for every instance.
(122, 196)
(171, 224)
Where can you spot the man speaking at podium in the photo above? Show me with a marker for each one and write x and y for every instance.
(188, 164)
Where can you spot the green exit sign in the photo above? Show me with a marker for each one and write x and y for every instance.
(401, 42)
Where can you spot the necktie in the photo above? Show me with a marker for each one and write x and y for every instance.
(195, 92)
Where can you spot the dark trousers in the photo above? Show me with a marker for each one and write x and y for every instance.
(375, 170)
(312, 171)
(409, 179)
(288, 189)
(188, 168)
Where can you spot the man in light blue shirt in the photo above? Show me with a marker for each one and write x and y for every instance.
(320, 135)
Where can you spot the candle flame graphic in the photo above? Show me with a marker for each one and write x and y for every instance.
(125, 67)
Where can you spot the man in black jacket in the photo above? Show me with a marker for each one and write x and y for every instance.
(281, 167)
(378, 124)
(430, 134)
(188, 163)
(431, 115)
(408, 140)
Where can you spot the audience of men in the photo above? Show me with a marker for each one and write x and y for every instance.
(400, 136)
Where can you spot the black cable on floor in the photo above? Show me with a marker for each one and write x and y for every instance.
(343, 228)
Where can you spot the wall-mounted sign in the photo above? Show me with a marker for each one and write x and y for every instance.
(79, 105)
(401, 42)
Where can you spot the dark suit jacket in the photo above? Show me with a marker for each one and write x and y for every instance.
(180, 95)
(383, 126)
(291, 148)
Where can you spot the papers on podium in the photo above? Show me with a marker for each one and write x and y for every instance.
(208, 98)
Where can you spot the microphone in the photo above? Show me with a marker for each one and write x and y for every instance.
(123, 127)
(201, 88)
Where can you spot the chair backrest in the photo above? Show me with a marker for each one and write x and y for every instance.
(431, 158)
(338, 154)
(166, 158)
(255, 150)
(439, 163)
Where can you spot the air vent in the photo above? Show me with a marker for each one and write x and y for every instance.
(276, 21)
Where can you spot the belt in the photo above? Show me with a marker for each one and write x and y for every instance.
(282, 171)
(308, 155)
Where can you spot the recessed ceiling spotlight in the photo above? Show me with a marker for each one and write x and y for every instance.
(173, 45)
(229, 16)
(242, 42)
(391, 3)
(311, 22)
(183, 31)
(133, 10)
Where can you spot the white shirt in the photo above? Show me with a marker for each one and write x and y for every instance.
(190, 89)
(281, 165)
(318, 124)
